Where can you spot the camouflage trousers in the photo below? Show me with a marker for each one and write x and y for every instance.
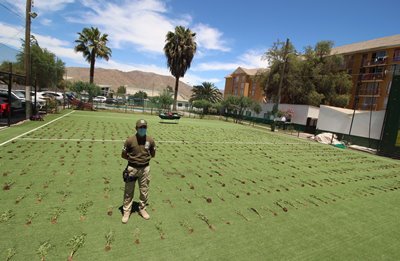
(142, 176)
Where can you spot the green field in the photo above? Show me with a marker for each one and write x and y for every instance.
(219, 191)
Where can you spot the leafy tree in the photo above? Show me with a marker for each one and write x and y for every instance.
(236, 105)
(179, 50)
(121, 91)
(138, 98)
(93, 45)
(208, 92)
(313, 78)
(202, 104)
(90, 89)
(165, 99)
(47, 69)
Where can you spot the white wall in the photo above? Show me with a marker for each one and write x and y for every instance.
(339, 120)
(301, 112)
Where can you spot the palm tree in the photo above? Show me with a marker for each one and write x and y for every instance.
(93, 45)
(206, 91)
(179, 49)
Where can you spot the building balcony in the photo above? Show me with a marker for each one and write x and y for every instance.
(372, 77)
(375, 62)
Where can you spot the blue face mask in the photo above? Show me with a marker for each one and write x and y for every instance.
(141, 132)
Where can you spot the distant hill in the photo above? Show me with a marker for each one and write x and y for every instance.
(134, 81)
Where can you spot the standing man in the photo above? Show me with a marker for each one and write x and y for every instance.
(137, 150)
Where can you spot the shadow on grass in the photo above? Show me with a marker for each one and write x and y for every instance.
(168, 122)
(135, 208)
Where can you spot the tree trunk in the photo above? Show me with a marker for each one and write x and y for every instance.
(175, 93)
(92, 62)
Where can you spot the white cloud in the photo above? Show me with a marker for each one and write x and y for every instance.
(209, 38)
(62, 49)
(216, 66)
(51, 6)
(142, 23)
(111, 64)
(45, 21)
(40, 5)
(11, 35)
(253, 59)
(192, 79)
(249, 59)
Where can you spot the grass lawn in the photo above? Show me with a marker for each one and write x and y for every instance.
(219, 191)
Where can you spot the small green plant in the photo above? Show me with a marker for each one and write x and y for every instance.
(206, 220)
(56, 214)
(109, 239)
(110, 210)
(64, 195)
(83, 209)
(10, 253)
(242, 215)
(75, 243)
(43, 250)
(19, 198)
(160, 230)
(40, 196)
(6, 215)
(8, 184)
(186, 225)
(136, 235)
(30, 217)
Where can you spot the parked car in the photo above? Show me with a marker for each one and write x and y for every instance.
(59, 96)
(4, 107)
(111, 101)
(100, 99)
(40, 100)
(16, 102)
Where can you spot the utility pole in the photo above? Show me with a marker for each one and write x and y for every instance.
(28, 100)
(282, 72)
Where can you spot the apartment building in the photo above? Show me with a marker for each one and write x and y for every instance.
(242, 82)
(371, 65)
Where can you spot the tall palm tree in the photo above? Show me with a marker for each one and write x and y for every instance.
(206, 91)
(93, 45)
(179, 49)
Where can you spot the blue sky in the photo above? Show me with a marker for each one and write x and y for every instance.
(229, 33)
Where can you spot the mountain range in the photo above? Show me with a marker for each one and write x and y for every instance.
(134, 81)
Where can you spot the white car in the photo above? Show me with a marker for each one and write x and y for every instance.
(59, 96)
(40, 100)
(99, 99)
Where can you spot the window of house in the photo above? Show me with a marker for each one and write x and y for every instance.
(368, 103)
(179, 104)
(379, 57)
(253, 88)
(364, 60)
(235, 85)
(242, 89)
(396, 55)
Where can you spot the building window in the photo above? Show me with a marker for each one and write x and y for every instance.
(179, 104)
(396, 56)
(253, 88)
(235, 85)
(379, 57)
(364, 60)
(368, 103)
